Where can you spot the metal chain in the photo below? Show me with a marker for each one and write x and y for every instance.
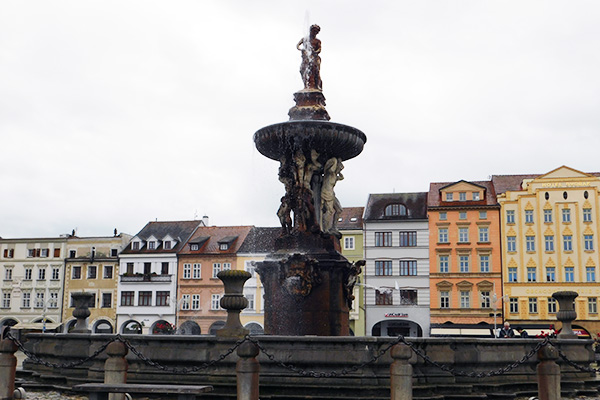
(571, 363)
(36, 360)
(176, 370)
(316, 374)
(488, 374)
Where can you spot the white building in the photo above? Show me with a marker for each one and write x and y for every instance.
(397, 271)
(147, 288)
(32, 282)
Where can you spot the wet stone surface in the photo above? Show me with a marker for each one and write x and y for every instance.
(46, 395)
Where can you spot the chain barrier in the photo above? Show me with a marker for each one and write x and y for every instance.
(571, 363)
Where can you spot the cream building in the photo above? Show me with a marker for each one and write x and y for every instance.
(550, 243)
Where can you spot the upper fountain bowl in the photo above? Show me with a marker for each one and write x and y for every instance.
(327, 138)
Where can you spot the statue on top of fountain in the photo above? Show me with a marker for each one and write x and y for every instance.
(310, 69)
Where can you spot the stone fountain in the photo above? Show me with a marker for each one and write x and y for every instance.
(307, 282)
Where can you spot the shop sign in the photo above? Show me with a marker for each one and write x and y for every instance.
(396, 315)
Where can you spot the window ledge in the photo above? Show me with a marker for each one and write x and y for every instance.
(486, 242)
(463, 243)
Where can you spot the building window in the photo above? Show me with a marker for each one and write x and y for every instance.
(162, 297)
(444, 299)
(588, 242)
(147, 268)
(185, 302)
(55, 273)
(475, 196)
(482, 214)
(127, 298)
(484, 263)
(567, 242)
(531, 274)
(408, 297)
(484, 234)
(465, 299)
(463, 235)
(39, 299)
(512, 274)
(513, 304)
(53, 302)
(9, 253)
(463, 262)
(145, 298)
(443, 235)
(383, 268)
(569, 274)
(41, 274)
(30, 253)
(590, 274)
(216, 269)
(108, 272)
(106, 300)
(529, 216)
(408, 268)
(530, 243)
(197, 271)
(549, 243)
(56, 253)
(510, 216)
(462, 196)
(226, 266)
(592, 305)
(449, 196)
(114, 252)
(533, 305)
(195, 302)
(26, 300)
(215, 302)
(28, 273)
(444, 262)
(44, 253)
(486, 300)
(383, 239)
(151, 245)
(383, 298)
(349, 243)
(76, 272)
(551, 305)
(587, 215)
(92, 270)
(223, 246)
(547, 216)
(462, 215)
(566, 215)
(8, 274)
(72, 253)
(443, 216)
(250, 268)
(135, 245)
(250, 298)
(129, 268)
(550, 274)
(511, 244)
(167, 245)
(394, 210)
(187, 271)
(194, 247)
(408, 239)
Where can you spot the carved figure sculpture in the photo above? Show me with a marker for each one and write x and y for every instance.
(330, 205)
(310, 69)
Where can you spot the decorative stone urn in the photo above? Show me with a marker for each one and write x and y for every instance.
(234, 302)
(566, 313)
(82, 311)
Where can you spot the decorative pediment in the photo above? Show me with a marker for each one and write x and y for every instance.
(567, 231)
(564, 172)
(464, 285)
(549, 232)
(444, 285)
(569, 262)
(547, 206)
(586, 204)
(550, 263)
(588, 231)
(531, 263)
(485, 285)
(590, 262)
(512, 263)
(530, 232)
(462, 186)
(529, 206)
(511, 232)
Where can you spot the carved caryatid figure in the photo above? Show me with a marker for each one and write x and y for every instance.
(330, 205)
(310, 69)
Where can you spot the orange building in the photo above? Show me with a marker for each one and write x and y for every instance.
(465, 258)
(210, 250)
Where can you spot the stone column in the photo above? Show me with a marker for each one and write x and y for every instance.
(401, 373)
(115, 367)
(8, 366)
(234, 302)
(81, 312)
(247, 370)
(548, 374)
(566, 313)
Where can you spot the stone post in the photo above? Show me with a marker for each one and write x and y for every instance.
(115, 367)
(247, 370)
(401, 373)
(548, 374)
(234, 302)
(81, 312)
(8, 366)
(566, 313)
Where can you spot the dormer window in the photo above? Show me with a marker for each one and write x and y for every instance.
(462, 196)
(135, 245)
(223, 246)
(476, 196)
(167, 245)
(353, 219)
(151, 245)
(449, 196)
(395, 210)
(194, 247)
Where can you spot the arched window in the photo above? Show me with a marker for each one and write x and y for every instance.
(395, 210)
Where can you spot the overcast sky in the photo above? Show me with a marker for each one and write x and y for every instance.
(116, 113)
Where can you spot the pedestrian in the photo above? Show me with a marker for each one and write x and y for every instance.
(522, 332)
(506, 331)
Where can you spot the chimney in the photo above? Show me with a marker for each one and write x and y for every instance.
(205, 220)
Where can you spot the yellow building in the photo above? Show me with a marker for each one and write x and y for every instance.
(350, 225)
(92, 265)
(550, 243)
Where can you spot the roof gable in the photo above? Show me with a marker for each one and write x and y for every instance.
(565, 172)
(462, 186)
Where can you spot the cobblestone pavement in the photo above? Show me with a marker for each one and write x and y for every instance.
(52, 396)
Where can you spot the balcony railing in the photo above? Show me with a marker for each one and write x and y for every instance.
(145, 278)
